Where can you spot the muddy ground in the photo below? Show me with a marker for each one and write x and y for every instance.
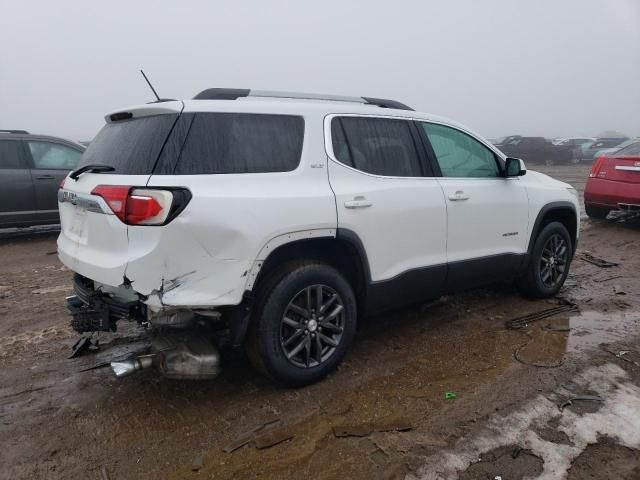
(383, 414)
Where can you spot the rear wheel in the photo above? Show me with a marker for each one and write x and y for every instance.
(596, 212)
(304, 321)
(549, 263)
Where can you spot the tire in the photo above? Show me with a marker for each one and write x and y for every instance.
(283, 322)
(596, 212)
(549, 263)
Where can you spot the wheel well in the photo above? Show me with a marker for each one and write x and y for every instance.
(565, 216)
(338, 253)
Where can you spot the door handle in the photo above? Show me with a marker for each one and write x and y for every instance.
(358, 202)
(45, 177)
(459, 196)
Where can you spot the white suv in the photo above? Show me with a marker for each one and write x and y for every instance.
(276, 221)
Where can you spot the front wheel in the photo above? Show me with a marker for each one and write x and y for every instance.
(549, 263)
(304, 321)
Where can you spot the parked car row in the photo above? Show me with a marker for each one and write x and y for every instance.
(31, 169)
(537, 150)
(561, 150)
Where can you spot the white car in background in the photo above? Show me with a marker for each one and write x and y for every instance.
(275, 221)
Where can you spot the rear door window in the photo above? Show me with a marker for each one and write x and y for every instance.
(380, 146)
(460, 155)
(53, 156)
(223, 143)
(132, 146)
(11, 157)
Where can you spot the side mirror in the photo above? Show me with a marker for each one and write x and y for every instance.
(514, 167)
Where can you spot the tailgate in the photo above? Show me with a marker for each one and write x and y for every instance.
(93, 241)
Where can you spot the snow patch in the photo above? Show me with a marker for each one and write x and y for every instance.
(618, 417)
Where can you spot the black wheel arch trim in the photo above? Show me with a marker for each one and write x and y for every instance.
(353, 239)
(549, 207)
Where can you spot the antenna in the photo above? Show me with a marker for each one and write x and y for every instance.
(149, 83)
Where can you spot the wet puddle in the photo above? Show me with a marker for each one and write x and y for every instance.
(550, 339)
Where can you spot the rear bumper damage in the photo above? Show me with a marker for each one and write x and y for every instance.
(97, 311)
(182, 346)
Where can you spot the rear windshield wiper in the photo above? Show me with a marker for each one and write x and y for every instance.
(95, 168)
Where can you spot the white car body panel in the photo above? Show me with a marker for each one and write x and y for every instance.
(212, 252)
(543, 190)
(492, 221)
(93, 244)
(405, 226)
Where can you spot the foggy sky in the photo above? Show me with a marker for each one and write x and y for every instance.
(551, 68)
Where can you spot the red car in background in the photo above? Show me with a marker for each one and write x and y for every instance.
(614, 183)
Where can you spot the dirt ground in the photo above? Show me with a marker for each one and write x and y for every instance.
(383, 414)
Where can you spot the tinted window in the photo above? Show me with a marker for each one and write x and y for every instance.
(376, 145)
(10, 154)
(53, 156)
(460, 155)
(241, 143)
(129, 146)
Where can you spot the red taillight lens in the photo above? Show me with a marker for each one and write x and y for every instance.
(116, 198)
(595, 169)
(136, 206)
(61, 185)
(141, 208)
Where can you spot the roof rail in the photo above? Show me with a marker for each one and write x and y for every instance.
(24, 132)
(235, 93)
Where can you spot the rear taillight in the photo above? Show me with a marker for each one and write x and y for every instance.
(143, 206)
(597, 165)
(61, 185)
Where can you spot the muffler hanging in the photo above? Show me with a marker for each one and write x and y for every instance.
(183, 356)
(125, 367)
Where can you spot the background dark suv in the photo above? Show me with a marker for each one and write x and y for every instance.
(31, 168)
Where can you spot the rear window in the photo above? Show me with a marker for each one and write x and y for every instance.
(130, 146)
(219, 143)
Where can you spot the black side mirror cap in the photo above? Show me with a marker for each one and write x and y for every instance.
(514, 167)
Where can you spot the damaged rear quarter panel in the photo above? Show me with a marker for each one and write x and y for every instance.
(172, 265)
(204, 256)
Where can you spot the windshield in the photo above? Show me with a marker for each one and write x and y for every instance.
(131, 147)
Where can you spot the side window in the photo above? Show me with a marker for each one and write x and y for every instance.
(380, 146)
(219, 143)
(460, 155)
(11, 155)
(47, 155)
